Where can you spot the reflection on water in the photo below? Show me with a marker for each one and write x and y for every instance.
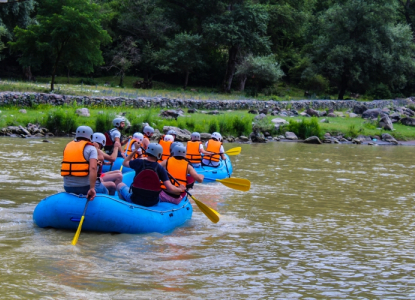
(321, 221)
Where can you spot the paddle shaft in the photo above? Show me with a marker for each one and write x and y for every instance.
(78, 231)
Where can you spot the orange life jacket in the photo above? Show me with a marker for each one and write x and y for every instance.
(166, 150)
(128, 148)
(74, 162)
(213, 146)
(178, 169)
(192, 152)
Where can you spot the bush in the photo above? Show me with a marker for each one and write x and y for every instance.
(381, 91)
(60, 120)
(213, 126)
(305, 128)
(352, 131)
(103, 122)
(316, 83)
(242, 126)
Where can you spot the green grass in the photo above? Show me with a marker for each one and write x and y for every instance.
(108, 86)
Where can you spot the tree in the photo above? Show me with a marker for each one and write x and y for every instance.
(182, 54)
(361, 44)
(238, 27)
(124, 57)
(65, 31)
(262, 69)
(145, 20)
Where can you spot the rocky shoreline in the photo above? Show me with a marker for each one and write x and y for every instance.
(31, 99)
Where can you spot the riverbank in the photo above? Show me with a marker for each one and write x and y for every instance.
(254, 125)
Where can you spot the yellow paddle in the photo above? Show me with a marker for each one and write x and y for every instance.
(234, 151)
(209, 212)
(78, 231)
(239, 184)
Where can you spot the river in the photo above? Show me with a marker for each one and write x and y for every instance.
(320, 222)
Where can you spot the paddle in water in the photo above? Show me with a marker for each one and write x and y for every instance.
(239, 184)
(78, 231)
(209, 212)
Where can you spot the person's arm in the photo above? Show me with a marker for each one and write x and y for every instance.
(126, 162)
(198, 177)
(118, 146)
(174, 189)
(92, 178)
(125, 141)
(146, 143)
(111, 158)
(163, 163)
(204, 152)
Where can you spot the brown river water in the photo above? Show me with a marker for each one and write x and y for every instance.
(320, 222)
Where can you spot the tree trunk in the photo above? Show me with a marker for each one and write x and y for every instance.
(55, 67)
(186, 80)
(27, 73)
(121, 79)
(242, 81)
(230, 70)
(68, 73)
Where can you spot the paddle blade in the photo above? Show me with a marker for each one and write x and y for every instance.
(212, 214)
(78, 231)
(239, 184)
(234, 151)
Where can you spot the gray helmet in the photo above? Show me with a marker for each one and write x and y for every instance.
(99, 138)
(155, 150)
(147, 130)
(179, 150)
(117, 121)
(172, 132)
(195, 136)
(174, 144)
(84, 132)
(217, 135)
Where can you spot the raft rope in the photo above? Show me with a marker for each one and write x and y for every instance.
(131, 205)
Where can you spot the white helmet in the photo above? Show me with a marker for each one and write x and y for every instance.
(84, 132)
(117, 121)
(138, 136)
(217, 135)
(148, 130)
(195, 136)
(179, 151)
(168, 138)
(99, 138)
(155, 150)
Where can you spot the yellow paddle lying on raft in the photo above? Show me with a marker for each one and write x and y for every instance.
(209, 212)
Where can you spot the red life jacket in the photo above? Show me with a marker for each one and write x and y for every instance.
(146, 187)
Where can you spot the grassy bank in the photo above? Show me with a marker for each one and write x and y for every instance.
(108, 86)
(61, 120)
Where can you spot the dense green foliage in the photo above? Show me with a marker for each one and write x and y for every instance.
(339, 48)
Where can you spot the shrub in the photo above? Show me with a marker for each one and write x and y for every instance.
(213, 126)
(316, 83)
(352, 131)
(242, 126)
(60, 120)
(103, 122)
(87, 81)
(381, 91)
(305, 128)
(225, 125)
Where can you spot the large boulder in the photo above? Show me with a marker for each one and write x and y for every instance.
(386, 123)
(205, 136)
(388, 138)
(183, 135)
(174, 114)
(395, 117)
(313, 140)
(83, 112)
(359, 109)
(290, 136)
(260, 116)
(408, 121)
(372, 113)
(257, 137)
(311, 112)
(279, 121)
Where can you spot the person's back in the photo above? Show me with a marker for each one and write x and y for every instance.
(79, 164)
(146, 185)
(214, 145)
(166, 143)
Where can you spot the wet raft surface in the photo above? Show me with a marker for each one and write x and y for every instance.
(326, 221)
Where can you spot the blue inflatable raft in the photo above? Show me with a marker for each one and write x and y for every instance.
(109, 214)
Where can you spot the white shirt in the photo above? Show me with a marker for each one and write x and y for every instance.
(115, 133)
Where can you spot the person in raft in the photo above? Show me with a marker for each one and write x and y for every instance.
(106, 182)
(178, 167)
(194, 149)
(134, 143)
(114, 135)
(148, 132)
(166, 142)
(79, 164)
(146, 185)
(214, 145)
